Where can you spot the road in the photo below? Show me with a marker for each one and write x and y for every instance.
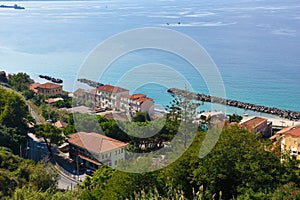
(34, 113)
(65, 183)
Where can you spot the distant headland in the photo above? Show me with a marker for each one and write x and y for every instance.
(14, 6)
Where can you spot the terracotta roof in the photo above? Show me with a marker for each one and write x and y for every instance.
(48, 85)
(33, 86)
(60, 124)
(112, 89)
(137, 96)
(95, 142)
(141, 100)
(294, 132)
(253, 123)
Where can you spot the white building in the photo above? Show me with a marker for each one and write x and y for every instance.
(141, 103)
(109, 96)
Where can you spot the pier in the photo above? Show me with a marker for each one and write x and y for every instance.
(287, 114)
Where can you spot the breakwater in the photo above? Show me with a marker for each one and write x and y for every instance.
(93, 84)
(288, 114)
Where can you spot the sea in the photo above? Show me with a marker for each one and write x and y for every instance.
(254, 44)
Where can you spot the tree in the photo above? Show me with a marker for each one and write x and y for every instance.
(3, 78)
(141, 117)
(43, 176)
(13, 111)
(51, 135)
(10, 138)
(238, 164)
(183, 109)
(20, 81)
(235, 118)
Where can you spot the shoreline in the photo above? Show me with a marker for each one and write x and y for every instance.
(286, 114)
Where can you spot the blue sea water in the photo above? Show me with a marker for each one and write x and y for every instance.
(254, 44)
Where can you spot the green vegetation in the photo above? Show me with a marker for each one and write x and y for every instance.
(16, 172)
(14, 117)
(51, 135)
(235, 118)
(20, 81)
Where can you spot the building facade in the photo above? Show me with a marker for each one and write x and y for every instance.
(94, 149)
(290, 142)
(109, 97)
(140, 103)
(46, 89)
(258, 125)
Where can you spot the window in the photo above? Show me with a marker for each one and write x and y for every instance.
(122, 150)
(102, 156)
(116, 162)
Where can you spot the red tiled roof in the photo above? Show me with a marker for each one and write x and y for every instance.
(141, 100)
(34, 86)
(253, 123)
(295, 132)
(137, 96)
(48, 85)
(60, 124)
(112, 89)
(95, 142)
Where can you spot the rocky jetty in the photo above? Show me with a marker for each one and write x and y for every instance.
(288, 114)
(49, 78)
(90, 83)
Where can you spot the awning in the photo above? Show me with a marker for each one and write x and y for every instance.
(89, 160)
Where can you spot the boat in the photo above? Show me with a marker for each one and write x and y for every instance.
(14, 6)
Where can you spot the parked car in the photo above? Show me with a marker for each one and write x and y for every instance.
(89, 172)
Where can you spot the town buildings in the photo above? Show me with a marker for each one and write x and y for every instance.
(108, 97)
(140, 103)
(47, 89)
(258, 125)
(94, 149)
(290, 142)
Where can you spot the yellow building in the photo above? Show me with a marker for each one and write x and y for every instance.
(291, 142)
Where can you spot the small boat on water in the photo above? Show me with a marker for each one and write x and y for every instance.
(14, 6)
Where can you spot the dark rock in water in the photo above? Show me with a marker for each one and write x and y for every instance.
(288, 114)
(90, 83)
(49, 78)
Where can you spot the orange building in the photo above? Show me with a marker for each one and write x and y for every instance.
(47, 89)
